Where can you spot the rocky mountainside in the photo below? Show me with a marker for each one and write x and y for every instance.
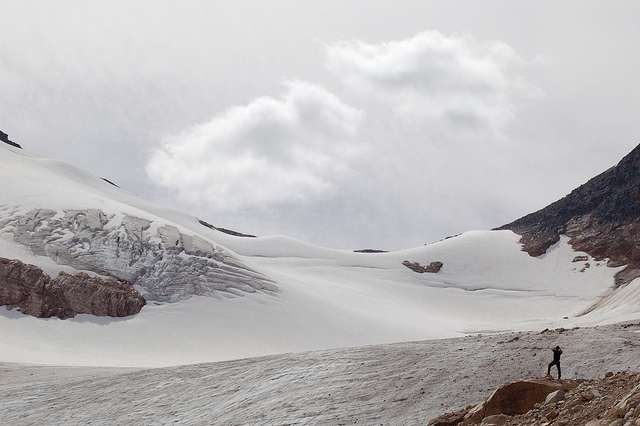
(35, 293)
(601, 217)
(610, 401)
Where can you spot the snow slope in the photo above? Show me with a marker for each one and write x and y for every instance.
(324, 299)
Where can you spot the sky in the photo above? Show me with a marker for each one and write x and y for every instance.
(360, 124)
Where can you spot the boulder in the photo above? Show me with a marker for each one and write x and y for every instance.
(516, 398)
(449, 419)
(554, 397)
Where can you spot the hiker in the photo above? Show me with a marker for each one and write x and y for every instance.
(556, 360)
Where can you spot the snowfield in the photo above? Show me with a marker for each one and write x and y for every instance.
(324, 299)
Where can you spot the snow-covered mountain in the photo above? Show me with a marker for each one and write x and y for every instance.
(601, 217)
(214, 296)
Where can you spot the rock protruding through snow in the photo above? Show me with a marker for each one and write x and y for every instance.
(433, 267)
(35, 293)
(601, 218)
(5, 138)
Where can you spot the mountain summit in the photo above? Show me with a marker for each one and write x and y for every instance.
(601, 217)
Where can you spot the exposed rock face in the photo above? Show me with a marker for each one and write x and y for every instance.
(109, 182)
(601, 217)
(226, 231)
(613, 400)
(35, 293)
(433, 267)
(5, 138)
(99, 296)
(169, 264)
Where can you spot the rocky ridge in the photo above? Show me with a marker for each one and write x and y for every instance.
(611, 401)
(5, 138)
(33, 292)
(169, 264)
(601, 218)
(225, 230)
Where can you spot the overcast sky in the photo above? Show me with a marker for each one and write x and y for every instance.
(349, 124)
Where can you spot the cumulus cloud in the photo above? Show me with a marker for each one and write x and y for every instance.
(433, 142)
(452, 80)
(438, 114)
(287, 150)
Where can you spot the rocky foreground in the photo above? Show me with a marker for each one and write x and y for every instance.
(611, 401)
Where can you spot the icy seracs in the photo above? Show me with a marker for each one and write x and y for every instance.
(167, 264)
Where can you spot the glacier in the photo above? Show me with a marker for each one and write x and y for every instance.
(215, 296)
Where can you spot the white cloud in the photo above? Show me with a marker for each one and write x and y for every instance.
(448, 127)
(452, 81)
(432, 143)
(438, 109)
(288, 150)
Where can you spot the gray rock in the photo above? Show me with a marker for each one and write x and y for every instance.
(554, 397)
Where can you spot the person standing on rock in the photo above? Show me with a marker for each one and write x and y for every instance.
(556, 360)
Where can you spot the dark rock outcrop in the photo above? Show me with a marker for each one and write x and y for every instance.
(5, 138)
(433, 267)
(109, 182)
(226, 231)
(601, 218)
(35, 293)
